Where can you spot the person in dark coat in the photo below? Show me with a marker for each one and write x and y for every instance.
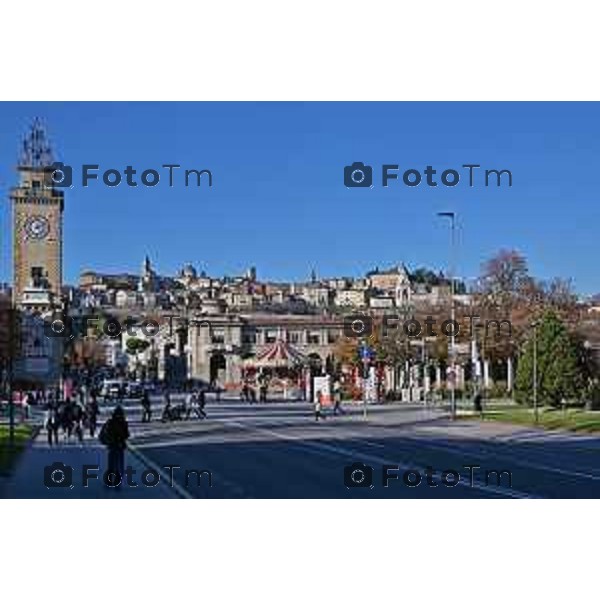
(114, 435)
(52, 423)
(77, 416)
(202, 404)
(65, 410)
(146, 407)
(92, 409)
(478, 404)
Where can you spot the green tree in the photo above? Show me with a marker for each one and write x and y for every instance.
(560, 372)
(136, 346)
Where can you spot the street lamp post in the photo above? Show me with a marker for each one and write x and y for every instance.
(535, 378)
(587, 346)
(13, 345)
(452, 217)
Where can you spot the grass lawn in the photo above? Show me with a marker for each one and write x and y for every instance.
(8, 456)
(573, 419)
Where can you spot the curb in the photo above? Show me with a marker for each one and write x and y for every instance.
(179, 491)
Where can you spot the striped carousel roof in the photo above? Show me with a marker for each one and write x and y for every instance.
(278, 354)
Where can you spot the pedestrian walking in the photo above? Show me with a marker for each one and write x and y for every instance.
(167, 413)
(146, 407)
(92, 410)
(66, 418)
(264, 387)
(114, 435)
(337, 398)
(319, 406)
(244, 392)
(51, 422)
(77, 412)
(195, 404)
(477, 404)
(25, 405)
(187, 402)
(202, 404)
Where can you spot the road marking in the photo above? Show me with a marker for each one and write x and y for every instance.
(509, 492)
(182, 492)
(516, 461)
(237, 489)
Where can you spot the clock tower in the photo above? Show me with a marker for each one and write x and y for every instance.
(37, 207)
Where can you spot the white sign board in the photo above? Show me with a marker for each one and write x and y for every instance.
(322, 384)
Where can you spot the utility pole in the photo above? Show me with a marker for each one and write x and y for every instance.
(365, 356)
(425, 371)
(452, 217)
(13, 348)
(535, 377)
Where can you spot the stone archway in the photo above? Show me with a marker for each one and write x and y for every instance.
(218, 367)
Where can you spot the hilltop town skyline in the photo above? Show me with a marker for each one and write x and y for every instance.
(278, 199)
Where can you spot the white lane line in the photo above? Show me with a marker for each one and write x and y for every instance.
(237, 489)
(510, 456)
(181, 491)
(330, 449)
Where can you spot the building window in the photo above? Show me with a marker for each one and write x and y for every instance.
(293, 337)
(249, 337)
(270, 336)
(218, 336)
(314, 337)
(333, 336)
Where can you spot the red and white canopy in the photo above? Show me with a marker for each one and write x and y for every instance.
(278, 354)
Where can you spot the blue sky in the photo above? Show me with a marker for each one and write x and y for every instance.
(278, 199)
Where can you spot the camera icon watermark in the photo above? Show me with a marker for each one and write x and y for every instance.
(58, 326)
(58, 175)
(358, 175)
(358, 475)
(356, 326)
(58, 475)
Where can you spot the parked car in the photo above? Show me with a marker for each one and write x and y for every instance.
(112, 388)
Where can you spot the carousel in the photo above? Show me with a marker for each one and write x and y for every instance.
(279, 365)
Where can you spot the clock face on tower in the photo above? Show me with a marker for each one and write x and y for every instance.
(37, 227)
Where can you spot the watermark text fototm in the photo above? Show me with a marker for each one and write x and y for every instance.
(359, 175)
(360, 475)
(60, 475)
(62, 326)
(358, 325)
(61, 175)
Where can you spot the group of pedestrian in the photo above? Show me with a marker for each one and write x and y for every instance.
(193, 404)
(248, 392)
(336, 394)
(70, 418)
(195, 401)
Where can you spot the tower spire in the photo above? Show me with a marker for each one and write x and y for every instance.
(36, 151)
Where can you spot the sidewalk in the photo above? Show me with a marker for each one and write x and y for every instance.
(28, 479)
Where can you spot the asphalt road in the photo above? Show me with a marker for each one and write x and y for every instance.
(277, 450)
